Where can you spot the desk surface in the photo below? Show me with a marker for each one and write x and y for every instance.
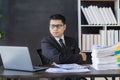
(43, 74)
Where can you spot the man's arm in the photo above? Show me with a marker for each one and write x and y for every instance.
(50, 52)
(53, 54)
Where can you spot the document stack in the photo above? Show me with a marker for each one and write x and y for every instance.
(103, 58)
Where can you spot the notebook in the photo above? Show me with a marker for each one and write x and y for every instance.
(17, 58)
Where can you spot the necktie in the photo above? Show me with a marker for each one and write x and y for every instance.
(61, 43)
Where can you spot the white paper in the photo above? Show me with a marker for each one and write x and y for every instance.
(61, 70)
(67, 68)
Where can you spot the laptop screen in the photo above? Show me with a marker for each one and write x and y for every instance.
(16, 57)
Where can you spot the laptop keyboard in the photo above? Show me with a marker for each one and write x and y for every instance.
(39, 67)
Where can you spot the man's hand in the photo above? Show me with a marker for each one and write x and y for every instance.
(84, 56)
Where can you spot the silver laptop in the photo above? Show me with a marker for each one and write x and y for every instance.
(17, 58)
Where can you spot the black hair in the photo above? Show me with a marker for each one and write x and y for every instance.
(58, 17)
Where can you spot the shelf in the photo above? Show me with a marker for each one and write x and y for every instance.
(98, 0)
(86, 51)
(99, 23)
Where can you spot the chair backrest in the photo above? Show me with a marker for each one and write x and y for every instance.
(43, 59)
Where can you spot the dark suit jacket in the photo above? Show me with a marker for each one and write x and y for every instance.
(53, 52)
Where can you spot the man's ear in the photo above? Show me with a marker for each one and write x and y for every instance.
(64, 26)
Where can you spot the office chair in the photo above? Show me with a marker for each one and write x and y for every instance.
(43, 59)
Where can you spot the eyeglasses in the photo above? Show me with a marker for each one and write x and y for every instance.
(57, 26)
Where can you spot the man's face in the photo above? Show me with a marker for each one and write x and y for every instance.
(57, 28)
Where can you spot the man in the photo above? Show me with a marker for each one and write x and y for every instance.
(58, 48)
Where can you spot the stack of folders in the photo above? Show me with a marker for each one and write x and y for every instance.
(104, 58)
(119, 16)
(99, 15)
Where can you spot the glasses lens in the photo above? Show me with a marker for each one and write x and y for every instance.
(57, 26)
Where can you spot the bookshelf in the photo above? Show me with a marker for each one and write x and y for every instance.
(98, 23)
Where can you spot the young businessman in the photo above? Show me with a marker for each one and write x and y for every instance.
(58, 48)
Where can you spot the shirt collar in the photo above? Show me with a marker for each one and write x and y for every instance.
(60, 38)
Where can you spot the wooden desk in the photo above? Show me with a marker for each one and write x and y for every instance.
(43, 74)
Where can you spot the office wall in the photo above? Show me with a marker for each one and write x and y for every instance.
(26, 21)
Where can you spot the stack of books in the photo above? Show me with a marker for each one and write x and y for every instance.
(104, 58)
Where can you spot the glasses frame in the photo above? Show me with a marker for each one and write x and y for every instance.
(58, 26)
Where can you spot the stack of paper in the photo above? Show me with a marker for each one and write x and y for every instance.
(103, 58)
(67, 68)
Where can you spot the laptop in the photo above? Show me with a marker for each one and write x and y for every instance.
(18, 58)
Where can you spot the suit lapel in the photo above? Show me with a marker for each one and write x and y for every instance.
(55, 43)
(66, 41)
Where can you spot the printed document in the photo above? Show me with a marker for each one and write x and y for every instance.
(67, 68)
